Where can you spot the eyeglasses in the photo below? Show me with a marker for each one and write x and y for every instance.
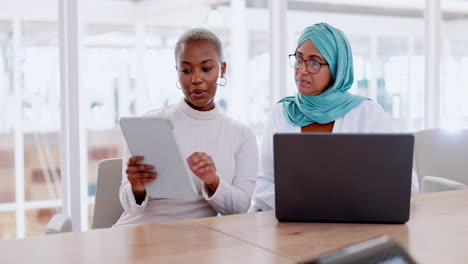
(312, 66)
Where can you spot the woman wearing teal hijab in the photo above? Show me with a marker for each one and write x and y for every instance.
(323, 72)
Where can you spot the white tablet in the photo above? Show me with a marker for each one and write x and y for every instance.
(153, 139)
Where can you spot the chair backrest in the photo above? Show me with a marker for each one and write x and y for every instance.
(437, 184)
(107, 206)
(59, 223)
(442, 153)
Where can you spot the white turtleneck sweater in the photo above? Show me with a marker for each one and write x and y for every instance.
(231, 145)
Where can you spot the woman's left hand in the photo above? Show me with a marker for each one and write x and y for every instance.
(203, 166)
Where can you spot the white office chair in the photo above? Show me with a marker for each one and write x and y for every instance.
(107, 206)
(438, 184)
(442, 155)
(58, 224)
(253, 207)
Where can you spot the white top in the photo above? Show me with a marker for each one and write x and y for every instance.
(368, 117)
(233, 148)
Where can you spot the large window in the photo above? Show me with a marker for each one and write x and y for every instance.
(400, 80)
(258, 82)
(41, 123)
(30, 189)
(108, 84)
(7, 156)
(41, 110)
(127, 68)
(459, 55)
(454, 109)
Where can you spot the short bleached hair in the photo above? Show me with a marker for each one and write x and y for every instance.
(200, 34)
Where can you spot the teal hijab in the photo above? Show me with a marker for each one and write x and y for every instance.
(335, 102)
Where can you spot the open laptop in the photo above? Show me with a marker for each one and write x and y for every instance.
(328, 177)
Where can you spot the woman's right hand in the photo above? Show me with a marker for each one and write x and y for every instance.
(138, 175)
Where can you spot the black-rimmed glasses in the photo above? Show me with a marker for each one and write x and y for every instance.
(312, 66)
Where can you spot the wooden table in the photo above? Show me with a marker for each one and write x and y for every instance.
(436, 233)
(173, 242)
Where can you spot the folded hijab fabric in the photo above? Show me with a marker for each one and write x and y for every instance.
(335, 102)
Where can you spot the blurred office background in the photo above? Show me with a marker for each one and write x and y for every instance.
(127, 63)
